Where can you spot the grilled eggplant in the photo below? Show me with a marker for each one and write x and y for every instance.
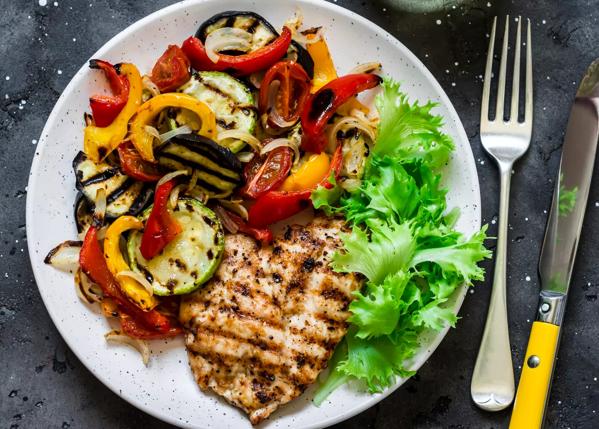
(123, 194)
(230, 99)
(83, 213)
(190, 259)
(262, 31)
(216, 168)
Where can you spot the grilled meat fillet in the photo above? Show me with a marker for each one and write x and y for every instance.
(267, 323)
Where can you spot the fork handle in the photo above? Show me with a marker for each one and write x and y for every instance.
(492, 386)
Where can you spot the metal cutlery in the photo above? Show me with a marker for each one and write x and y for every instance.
(492, 387)
(556, 261)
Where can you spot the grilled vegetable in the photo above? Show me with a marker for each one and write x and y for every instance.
(190, 259)
(231, 101)
(83, 213)
(123, 194)
(261, 30)
(216, 168)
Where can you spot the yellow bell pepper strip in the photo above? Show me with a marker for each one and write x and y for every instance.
(147, 112)
(324, 69)
(100, 141)
(309, 174)
(116, 263)
(324, 72)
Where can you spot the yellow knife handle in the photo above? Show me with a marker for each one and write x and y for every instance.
(535, 381)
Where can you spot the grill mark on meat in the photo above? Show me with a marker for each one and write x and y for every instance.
(264, 327)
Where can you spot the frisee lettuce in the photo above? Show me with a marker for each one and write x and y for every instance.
(402, 240)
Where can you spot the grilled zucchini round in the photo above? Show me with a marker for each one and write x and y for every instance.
(230, 99)
(190, 259)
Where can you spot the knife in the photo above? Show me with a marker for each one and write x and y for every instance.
(559, 251)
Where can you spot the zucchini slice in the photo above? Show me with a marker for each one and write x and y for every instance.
(216, 169)
(231, 101)
(123, 194)
(190, 259)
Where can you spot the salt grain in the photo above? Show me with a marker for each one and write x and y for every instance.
(438, 22)
(42, 3)
(59, 72)
(527, 278)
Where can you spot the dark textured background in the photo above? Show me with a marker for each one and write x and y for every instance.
(44, 385)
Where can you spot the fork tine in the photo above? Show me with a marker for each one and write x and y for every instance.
(516, 77)
(484, 110)
(501, 83)
(528, 103)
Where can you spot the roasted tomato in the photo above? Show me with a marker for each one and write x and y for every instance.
(171, 70)
(283, 93)
(134, 166)
(265, 173)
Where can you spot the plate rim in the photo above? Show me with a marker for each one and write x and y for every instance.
(336, 9)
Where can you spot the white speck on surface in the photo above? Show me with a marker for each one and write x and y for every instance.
(55, 4)
(548, 78)
(482, 162)
(527, 320)
(589, 283)
(74, 39)
(384, 9)
(594, 378)
(456, 64)
(559, 402)
(438, 21)
(544, 22)
(545, 211)
(596, 203)
(7, 78)
(527, 278)
(493, 221)
(34, 141)
(42, 3)
(488, 4)
(526, 219)
(447, 71)
(453, 84)
(59, 72)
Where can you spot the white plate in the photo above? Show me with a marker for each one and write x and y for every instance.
(166, 388)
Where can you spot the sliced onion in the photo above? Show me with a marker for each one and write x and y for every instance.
(174, 196)
(245, 156)
(140, 345)
(309, 36)
(170, 176)
(226, 220)
(65, 256)
(227, 39)
(100, 206)
(366, 68)
(240, 135)
(280, 143)
(372, 119)
(349, 122)
(138, 278)
(87, 290)
(150, 86)
(236, 207)
(294, 23)
(152, 131)
(198, 195)
(184, 129)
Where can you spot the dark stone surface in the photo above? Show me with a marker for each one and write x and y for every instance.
(44, 385)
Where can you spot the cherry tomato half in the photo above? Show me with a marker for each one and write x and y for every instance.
(265, 173)
(134, 166)
(171, 70)
(285, 106)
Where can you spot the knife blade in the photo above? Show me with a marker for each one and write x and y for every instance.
(562, 235)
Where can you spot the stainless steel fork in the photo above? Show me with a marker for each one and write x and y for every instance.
(492, 386)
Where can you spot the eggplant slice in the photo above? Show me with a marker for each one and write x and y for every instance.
(216, 168)
(123, 194)
(262, 31)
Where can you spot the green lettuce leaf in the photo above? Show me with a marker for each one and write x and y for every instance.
(409, 131)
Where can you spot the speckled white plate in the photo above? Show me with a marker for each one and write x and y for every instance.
(166, 388)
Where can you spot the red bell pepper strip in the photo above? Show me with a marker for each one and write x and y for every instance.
(263, 235)
(240, 65)
(134, 329)
(321, 106)
(160, 227)
(107, 107)
(278, 205)
(92, 262)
